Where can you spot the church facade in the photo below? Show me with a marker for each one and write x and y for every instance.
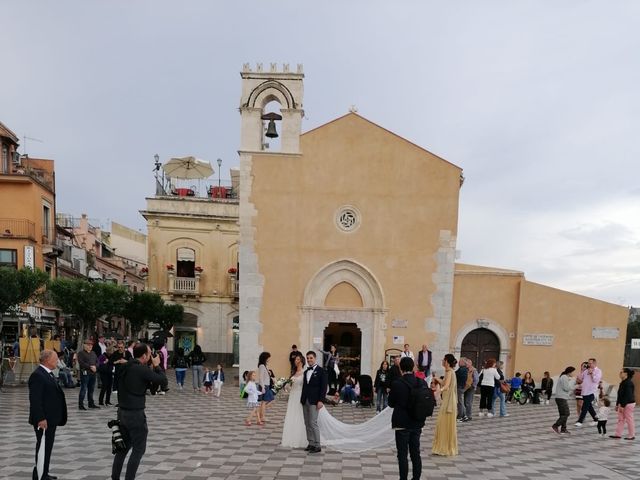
(348, 236)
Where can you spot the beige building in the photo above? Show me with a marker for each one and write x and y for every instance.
(193, 261)
(348, 236)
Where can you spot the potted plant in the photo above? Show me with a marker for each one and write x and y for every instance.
(170, 267)
(199, 269)
(232, 271)
(144, 271)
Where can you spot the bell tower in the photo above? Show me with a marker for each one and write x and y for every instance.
(259, 89)
(270, 109)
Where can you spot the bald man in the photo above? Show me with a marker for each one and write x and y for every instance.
(47, 407)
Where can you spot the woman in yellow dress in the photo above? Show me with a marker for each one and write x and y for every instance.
(445, 439)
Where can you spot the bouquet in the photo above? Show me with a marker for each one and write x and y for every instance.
(281, 383)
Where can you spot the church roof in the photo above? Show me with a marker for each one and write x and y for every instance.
(466, 269)
(7, 133)
(360, 117)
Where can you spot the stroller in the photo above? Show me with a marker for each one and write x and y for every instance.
(366, 391)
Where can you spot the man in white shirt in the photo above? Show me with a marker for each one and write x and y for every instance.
(406, 352)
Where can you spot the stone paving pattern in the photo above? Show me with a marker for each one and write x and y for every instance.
(196, 436)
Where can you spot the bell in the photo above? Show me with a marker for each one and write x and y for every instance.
(271, 130)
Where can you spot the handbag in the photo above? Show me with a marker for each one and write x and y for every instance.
(505, 387)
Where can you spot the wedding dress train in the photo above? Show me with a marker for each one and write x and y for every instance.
(373, 434)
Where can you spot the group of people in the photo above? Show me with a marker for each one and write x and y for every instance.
(48, 407)
(586, 388)
(203, 379)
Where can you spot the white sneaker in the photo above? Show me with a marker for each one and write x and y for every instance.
(578, 424)
(490, 415)
(591, 424)
(505, 415)
(481, 414)
(546, 402)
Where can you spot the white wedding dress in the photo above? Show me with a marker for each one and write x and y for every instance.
(294, 433)
(373, 434)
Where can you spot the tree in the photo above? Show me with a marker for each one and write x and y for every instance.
(17, 287)
(170, 315)
(88, 301)
(142, 308)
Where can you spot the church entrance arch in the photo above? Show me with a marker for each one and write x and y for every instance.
(344, 295)
(479, 345)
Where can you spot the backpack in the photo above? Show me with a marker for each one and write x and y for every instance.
(469, 381)
(421, 401)
(181, 362)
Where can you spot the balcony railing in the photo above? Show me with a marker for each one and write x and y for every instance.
(185, 285)
(17, 228)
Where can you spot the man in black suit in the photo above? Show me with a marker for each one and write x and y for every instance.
(407, 430)
(314, 390)
(47, 407)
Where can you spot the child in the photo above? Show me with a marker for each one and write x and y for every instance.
(207, 380)
(603, 415)
(251, 390)
(516, 383)
(435, 388)
(243, 383)
(218, 379)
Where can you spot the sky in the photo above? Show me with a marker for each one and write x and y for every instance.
(538, 101)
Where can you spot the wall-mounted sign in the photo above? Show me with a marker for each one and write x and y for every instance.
(29, 257)
(398, 339)
(399, 323)
(605, 332)
(635, 343)
(543, 339)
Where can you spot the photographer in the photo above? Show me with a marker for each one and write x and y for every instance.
(133, 382)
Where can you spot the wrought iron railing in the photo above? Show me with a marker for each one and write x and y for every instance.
(17, 228)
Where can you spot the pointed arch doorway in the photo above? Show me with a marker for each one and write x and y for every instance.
(345, 292)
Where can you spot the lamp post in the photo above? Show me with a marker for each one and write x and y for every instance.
(219, 167)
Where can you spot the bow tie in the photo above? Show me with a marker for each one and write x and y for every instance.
(310, 369)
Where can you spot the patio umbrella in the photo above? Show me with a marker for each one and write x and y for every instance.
(187, 167)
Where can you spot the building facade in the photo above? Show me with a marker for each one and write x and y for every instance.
(348, 236)
(193, 261)
(28, 235)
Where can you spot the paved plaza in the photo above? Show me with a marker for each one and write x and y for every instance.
(197, 436)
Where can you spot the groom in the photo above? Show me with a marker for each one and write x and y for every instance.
(314, 389)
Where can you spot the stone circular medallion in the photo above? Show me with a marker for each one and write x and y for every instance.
(348, 218)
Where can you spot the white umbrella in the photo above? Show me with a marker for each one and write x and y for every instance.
(39, 468)
(187, 167)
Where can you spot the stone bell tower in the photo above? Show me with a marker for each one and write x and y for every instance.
(260, 88)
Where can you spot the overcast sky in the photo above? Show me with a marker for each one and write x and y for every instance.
(538, 102)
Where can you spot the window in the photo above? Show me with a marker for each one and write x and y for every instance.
(186, 263)
(9, 258)
(5, 158)
(46, 221)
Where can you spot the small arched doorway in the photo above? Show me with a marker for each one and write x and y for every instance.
(479, 345)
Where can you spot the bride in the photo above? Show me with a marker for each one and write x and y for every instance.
(343, 437)
(294, 433)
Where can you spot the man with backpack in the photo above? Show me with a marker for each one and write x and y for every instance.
(408, 399)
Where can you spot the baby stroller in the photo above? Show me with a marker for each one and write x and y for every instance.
(366, 391)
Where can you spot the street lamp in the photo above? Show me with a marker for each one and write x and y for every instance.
(219, 167)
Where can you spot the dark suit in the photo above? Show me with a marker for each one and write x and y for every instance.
(408, 437)
(313, 391)
(46, 402)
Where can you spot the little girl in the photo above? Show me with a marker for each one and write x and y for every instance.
(218, 379)
(603, 416)
(252, 399)
(207, 380)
